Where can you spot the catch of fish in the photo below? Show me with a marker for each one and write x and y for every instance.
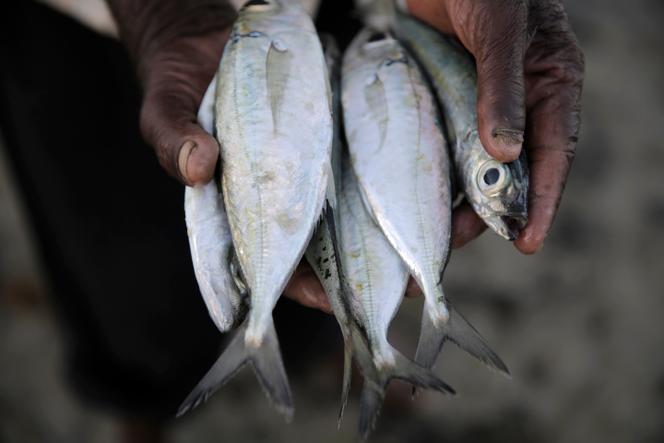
(365, 199)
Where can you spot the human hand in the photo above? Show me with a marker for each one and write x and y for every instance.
(530, 74)
(176, 47)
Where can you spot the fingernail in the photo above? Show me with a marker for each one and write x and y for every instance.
(510, 140)
(183, 158)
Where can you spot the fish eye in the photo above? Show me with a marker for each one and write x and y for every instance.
(493, 177)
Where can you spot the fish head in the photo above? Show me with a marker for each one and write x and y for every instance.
(500, 194)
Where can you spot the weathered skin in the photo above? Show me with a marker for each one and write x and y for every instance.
(210, 241)
(275, 129)
(399, 154)
(497, 192)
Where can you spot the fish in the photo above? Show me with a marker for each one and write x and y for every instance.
(399, 153)
(210, 242)
(378, 15)
(273, 120)
(376, 278)
(322, 253)
(212, 252)
(498, 192)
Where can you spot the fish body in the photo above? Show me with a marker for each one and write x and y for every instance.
(322, 252)
(400, 156)
(273, 122)
(399, 153)
(497, 192)
(275, 129)
(211, 244)
(211, 252)
(376, 280)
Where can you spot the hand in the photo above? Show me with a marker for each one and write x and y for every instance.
(176, 46)
(529, 75)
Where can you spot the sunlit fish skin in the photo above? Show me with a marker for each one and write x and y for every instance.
(210, 241)
(497, 192)
(376, 280)
(274, 125)
(211, 251)
(322, 252)
(375, 274)
(275, 129)
(400, 156)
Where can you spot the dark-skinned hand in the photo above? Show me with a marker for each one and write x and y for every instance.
(530, 73)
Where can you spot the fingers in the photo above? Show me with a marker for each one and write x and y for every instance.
(175, 82)
(305, 288)
(413, 289)
(466, 225)
(495, 32)
(554, 68)
(184, 149)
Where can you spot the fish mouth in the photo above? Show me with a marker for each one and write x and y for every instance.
(512, 225)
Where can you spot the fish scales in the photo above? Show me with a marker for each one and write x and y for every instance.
(497, 192)
(274, 124)
(399, 154)
(275, 130)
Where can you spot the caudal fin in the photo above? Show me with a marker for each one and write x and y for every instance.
(458, 331)
(345, 385)
(376, 380)
(266, 362)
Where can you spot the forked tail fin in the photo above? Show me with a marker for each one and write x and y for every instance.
(376, 380)
(373, 391)
(267, 364)
(458, 331)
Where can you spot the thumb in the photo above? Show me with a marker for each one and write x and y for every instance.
(184, 149)
(174, 86)
(495, 32)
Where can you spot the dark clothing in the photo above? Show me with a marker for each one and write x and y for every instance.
(108, 220)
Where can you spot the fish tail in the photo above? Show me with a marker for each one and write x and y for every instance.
(345, 384)
(457, 330)
(373, 391)
(371, 401)
(376, 380)
(265, 358)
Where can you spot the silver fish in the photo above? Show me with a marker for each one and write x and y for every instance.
(498, 192)
(376, 282)
(274, 124)
(400, 156)
(322, 253)
(211, 252)
(376, 14)
(210, 241)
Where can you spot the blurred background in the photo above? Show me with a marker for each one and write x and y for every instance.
(579, 324)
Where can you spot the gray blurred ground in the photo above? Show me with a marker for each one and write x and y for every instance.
(579, 324)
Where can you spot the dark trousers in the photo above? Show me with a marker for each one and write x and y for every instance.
(109, 222)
